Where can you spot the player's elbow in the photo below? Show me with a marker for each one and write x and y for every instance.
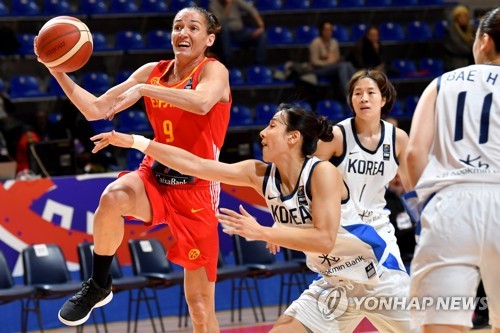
(326, 244)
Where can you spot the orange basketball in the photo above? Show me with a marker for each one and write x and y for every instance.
(64, 44)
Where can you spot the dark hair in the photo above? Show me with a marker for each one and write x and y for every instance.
(386, 88)
(322, 24)
(213, 24)
(490, 24)
(310, 126)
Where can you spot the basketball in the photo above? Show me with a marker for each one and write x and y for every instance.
(64, 44)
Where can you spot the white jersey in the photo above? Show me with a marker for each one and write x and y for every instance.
(368, 173)
(466, 146)
(360, 254)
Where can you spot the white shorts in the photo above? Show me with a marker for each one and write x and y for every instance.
(324, 308)
(458, 246)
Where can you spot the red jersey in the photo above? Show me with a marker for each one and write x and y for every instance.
(202, 135)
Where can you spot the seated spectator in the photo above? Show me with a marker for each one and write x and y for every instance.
(229, 13)
(367, 52)
(458, 39)
(326, 60)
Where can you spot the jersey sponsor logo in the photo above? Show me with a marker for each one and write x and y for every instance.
(386, 150)
(193, 254)
(189, 84)
(155, 80)
(271, 198)
(329, 259)
(194, 211)
(300, 215)
(333, 270)
(353, 152)
(370, 270)
(363, 167)
(301, 196)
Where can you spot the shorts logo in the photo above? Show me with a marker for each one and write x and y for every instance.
(193, 254)
(332, 303)
(196, 210)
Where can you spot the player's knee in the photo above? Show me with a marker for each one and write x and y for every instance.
(118, 198)
(198, 309)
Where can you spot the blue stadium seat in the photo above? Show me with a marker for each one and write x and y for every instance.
(241, 115)
(25, 43)
(24, 86)
(324, 4)
(96, 82)
(54, 87)
(418, 30)
(303, 104)
(57, 7)
(351, 3)
(358, 31)
(129, 40)
(236, 77)
(264, 112)
(411, 104)
(340, 33)
(391, 31)
(278, 35)
(397, 110)
(378, 3)
(100, 41)
(134, 121)
(154, 6)
(159, 39)
(103, 125)
(123, 6)
(405, 67)
(330, 108)
(268, 5)
(430, 2)
(404, 2)
(259, 75)
(434, 66)
(122, 75)
(177, 5)
(93, 6)
(305, 33)
(440, 28)
(296, 4)
(134, 159)
(4, 10)
(25, 8)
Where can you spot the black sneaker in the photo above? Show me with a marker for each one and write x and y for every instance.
(78, 308)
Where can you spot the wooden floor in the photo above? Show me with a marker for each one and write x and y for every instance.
(247, 325)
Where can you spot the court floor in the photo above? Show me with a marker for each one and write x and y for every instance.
(247, 325)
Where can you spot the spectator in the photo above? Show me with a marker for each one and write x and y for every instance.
(326, 59)
(229, 12)
(458, 39)
(367, 52)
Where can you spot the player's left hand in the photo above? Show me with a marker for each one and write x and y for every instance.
(242, 224)
(113, 138)
(125, 100)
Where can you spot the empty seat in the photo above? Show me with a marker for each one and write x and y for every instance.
(236, 76)
(122, 75)
(54, 87)
(303, 104)
(129, 40)
(154, 6)
(93, 6)
(241, 115)
(159, 39)
(259, 75)
(57, 7)
(405, 67)
(410, 104)
(340, 33)
(434, 66)
(330, 108)
(134, 121)
(25, 41)
(358, 31)
(24, 86)
(296, 4)
(378, 3)
(96, 82)
(397, 109)
(305, 33)
(177, 5)
(440, 28)
(100, 41)
(404, 2)
(123, 6)
(324, 4)
(351, 3)
(134, 159)
(391, 31)
(268, 4)
(418, 30)
(25, 7)
(277, 35)
(103, 125)
(4, 10)
(264, 112)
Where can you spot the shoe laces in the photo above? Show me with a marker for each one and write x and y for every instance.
(87, 296)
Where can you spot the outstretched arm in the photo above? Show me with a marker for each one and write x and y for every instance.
(246, 173)
(421, 134)
(326, 192)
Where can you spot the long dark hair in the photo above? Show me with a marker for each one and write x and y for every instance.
(310, 126)
(490, 24)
